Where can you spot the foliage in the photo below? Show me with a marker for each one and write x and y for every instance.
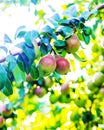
(81, 107)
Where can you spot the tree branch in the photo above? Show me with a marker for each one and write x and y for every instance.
(100, 7)
(16, 52)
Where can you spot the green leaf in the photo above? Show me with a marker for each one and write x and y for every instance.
(35, 12)
(71, 11)
(20, 63)
(80, 36)
(87, 30)
(8, 86)
(19, 75)
(24, 2)
(7, 39)
(67, 31)
(57, 77)
(9, 105)
(24, 62)
(45, 40)
(87, 116)
(52, 9)
(59, 43)
(78, 58)
(86, 38)
(5, 91)
(11, 62)
(22, 92)
(93, 35)
(61, 51)
(64, 22)
(43, 49)
(54, 20)
(87, 14)
(47, 29)
(29, 51)
(40, 81)
(68, 5)
(49, 48)
(3, 76)
(74, 116)
(34, 1)
(98, 111)
(34, 71)
(20, 32)
(4, 48)
(30, 36)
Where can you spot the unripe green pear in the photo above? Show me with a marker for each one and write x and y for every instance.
(62, 65)
(53, 98)
(48, 82)
(72, 44)
(8, 122)
(47, 65)
(98, 78)
(101, 67)
(65, 98)
(2, 121)
(80, 102)
(102, 85)
(91, 85)
(74, 116)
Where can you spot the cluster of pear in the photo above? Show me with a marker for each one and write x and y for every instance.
(50, 63)
(55, 95)
(63, 96)
(97, 80)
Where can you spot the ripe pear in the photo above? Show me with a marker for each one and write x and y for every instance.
(48, 82)
(91, 85)
(6, 112)
(98, 78)
(29, 78)
(62, 65)
(72, 44)
(2, 121)
(40, 91)
(65, 88)
(102, 91)
(47, 65)
(101, 67)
